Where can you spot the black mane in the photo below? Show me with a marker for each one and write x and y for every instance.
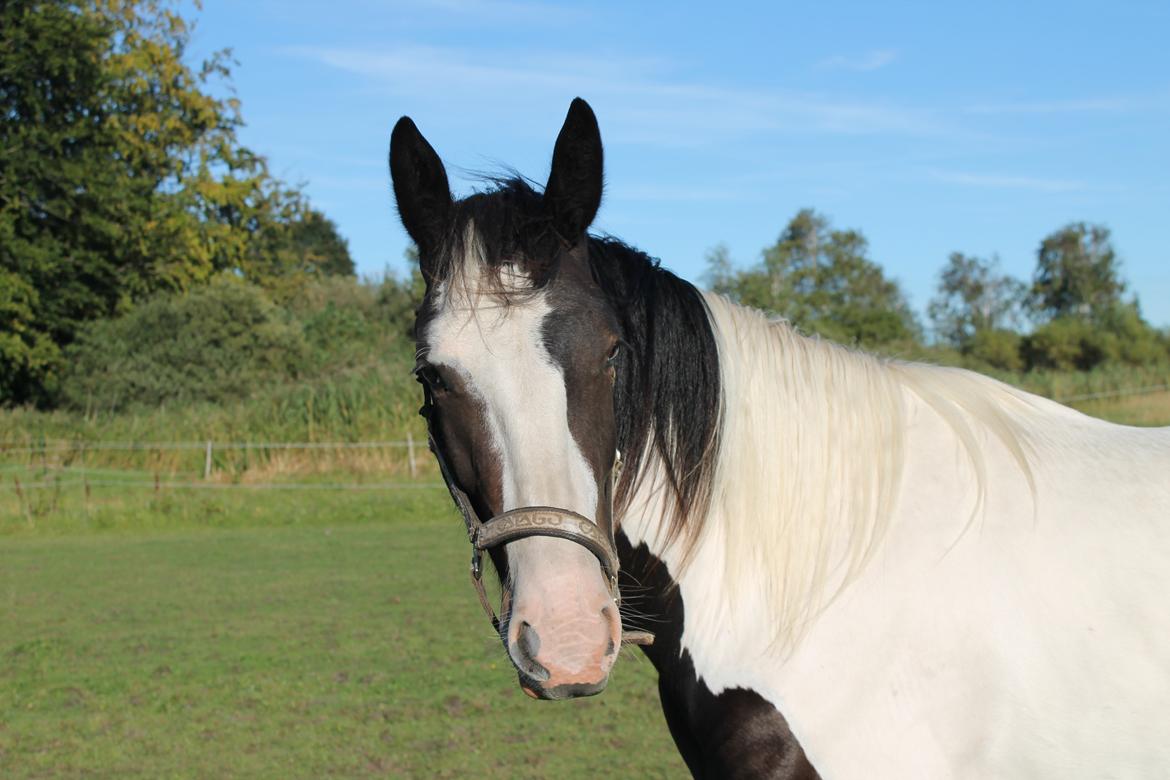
(668, 400)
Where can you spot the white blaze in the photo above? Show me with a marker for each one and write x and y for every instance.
(499, 352)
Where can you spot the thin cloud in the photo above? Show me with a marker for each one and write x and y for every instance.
(1081, 106)
(641, 99)
(863, 63)
(997, 181)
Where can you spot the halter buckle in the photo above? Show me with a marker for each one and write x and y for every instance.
(476, 563)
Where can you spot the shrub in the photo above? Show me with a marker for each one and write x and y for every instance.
(216, 343)
(1135, 342)
(1067, 343)
(998, 349)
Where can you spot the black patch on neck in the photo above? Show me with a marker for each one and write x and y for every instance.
(733, 734)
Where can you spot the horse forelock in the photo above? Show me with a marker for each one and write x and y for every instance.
(497, 237)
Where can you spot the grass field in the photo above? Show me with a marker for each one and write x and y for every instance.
(235, 632)
(306, 634)
(1145, 409)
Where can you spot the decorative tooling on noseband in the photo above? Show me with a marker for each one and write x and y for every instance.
(535, 521)
(557, 523)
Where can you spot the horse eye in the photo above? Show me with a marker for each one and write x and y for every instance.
(430, 377)
(613, 354)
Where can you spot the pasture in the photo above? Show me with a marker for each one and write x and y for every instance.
(308, 632)
(285, 634)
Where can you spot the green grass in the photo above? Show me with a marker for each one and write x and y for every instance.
(281, 635)
(56, 501)
(308, 632)
(1148, 409)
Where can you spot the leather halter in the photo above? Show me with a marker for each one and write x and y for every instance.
(534, 521)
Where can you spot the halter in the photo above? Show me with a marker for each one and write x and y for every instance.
(529, 521)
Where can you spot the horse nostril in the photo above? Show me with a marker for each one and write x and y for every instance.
(527, 646)
(528, 640)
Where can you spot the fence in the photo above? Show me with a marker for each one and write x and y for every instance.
(73, 458)
(67, 453)
(79, 448)
(1072, 399)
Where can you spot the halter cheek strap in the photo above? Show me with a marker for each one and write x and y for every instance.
(529, 521)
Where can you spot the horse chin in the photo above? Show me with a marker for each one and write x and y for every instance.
(560, 692)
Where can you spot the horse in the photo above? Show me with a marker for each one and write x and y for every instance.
(852, 566)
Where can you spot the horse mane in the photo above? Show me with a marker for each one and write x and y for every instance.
(811, 458)
(668, 397)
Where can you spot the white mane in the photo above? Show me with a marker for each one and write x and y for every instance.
(811, 461)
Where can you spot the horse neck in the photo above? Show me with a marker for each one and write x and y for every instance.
(806, 470)
(812, 446)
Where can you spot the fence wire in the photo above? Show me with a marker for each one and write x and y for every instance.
(81, 447)
(1113, 393)
(163, 446)
(166, 485)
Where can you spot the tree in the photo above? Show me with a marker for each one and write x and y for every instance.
(301, 243)
(823, 281)
(1077, 273)
(121, 176)
(974, 297)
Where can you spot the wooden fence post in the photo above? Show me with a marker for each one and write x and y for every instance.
(207, 461)
(410, 453)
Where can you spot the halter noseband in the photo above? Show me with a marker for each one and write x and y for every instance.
(534, 521)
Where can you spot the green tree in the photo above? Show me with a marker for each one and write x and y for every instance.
(1077, 273)
(973, 296)
(823, 281)
(299, 243)
(120, 175)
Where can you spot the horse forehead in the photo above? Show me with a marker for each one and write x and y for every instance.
(484, 334)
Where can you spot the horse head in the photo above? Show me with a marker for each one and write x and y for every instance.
(518, 349)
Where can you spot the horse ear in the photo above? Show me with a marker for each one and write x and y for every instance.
(573, 193)
(420, 186)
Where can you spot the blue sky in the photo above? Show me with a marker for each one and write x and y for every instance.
(931, 127)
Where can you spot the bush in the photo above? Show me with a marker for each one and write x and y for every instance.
(216, 343)
(997, 349)
(1067, 343)
(1117, 335)
(1134, 342)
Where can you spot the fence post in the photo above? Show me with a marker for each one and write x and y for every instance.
(207, 461)
(410, 453)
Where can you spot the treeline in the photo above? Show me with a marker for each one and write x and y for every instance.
(123, 178)
(1075, 314)
(149, 260)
